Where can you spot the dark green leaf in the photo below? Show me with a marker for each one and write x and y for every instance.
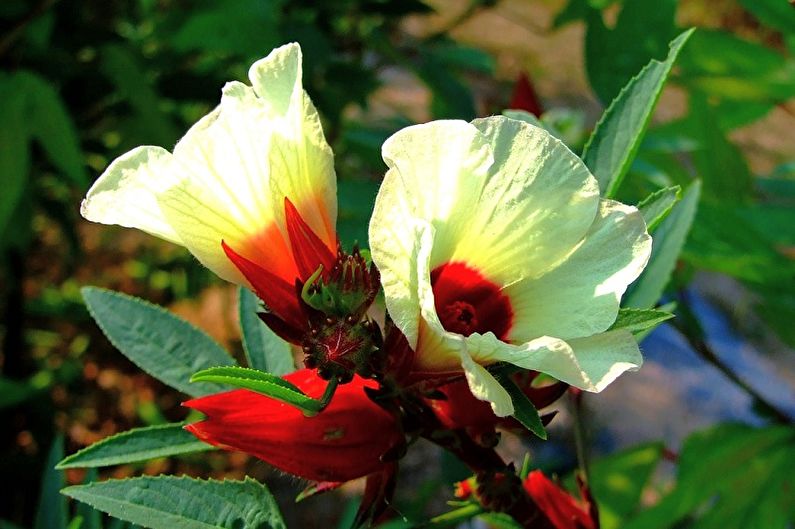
(170, 502)
(261, 382)
(14, 153)
(612, 57)
(658, 205)
(615, 139)
(138, 444)
(666, 246)
(523, 409)
(168, 348)
(264, 350)
(51, 511)
(777, 14)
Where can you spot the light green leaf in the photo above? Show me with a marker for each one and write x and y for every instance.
(261, 382)
(455, 517)
(639, 320)
(138, 444)
(51, 511)
(524, 411)
(91, 518)
(612, 146)
(666, 246)
(264, 350)
(658, 205)
(165, 346)
(170, 502)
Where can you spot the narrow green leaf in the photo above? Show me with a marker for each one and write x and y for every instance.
(170, 502)
(138, 444)
(638, 320)
(666, 246)
(615, 139)
(264, 350)
(51, 511)
(454, 518)
(261, 382)
(775, 13)
(91, 518)
(523, 409)
(15, 152)
(165, 346)
(658, 205)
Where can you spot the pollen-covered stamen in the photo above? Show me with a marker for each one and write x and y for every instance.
(467, 302)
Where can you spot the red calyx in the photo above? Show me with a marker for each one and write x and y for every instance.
(343, 442)
(562, 509)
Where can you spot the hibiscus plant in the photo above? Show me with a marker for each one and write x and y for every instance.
(494, 280)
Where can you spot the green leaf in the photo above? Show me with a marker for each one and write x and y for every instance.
(618, 481)
(774, 13)
(14, 153)
(612, 146)
(12, 392)
(91, 518)
(727, 476)
(170, 502)
(261, 382)
(454, 518)
(165, 346)
(51, 511)
(356, 201)
(524, 411)
(138, 444)
(722, 65)
(639, 320)
(658, 205)
(264, 350)
(666, 246)
(51, 125)
(612, 57)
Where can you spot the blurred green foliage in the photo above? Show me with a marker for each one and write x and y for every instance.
(83, 82)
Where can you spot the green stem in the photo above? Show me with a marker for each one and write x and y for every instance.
(579, 432)
(325, 400)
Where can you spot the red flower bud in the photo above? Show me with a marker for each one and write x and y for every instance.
(343, 442)
(562, 509)
(524, 96)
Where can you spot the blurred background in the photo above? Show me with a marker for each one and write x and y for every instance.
(84, 81)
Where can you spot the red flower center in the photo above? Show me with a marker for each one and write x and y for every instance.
(467, 302)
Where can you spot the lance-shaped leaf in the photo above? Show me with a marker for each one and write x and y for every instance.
(658, 205)
(523, 409)
(261, 382)
(640, 320)
(667, 245)
(138, 444)
(170, 502)
(264, 350)
(51, 512)
(165, 346)
(615, 139)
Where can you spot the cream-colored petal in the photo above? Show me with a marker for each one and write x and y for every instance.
(229, 176)
(581, 296)
(126, 193)
(537, 204)
(484, 386)
(442, 167)
(301, 161)
(588, 363)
